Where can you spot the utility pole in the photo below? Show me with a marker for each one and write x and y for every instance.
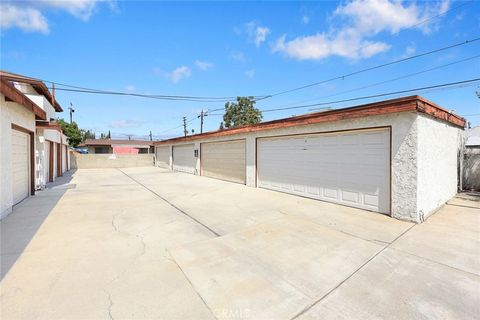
(185, 132)
(151, 137)
(71, 111)
(201, 121)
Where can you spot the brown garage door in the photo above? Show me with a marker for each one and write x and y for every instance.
(224, 160)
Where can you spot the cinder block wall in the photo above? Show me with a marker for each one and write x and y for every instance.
(90, 161)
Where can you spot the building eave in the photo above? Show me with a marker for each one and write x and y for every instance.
(38, 85)
(404, 104)
(13, 94)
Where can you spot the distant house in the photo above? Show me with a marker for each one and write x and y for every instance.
(118, 146)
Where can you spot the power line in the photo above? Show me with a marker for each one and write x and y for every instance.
(438, 86)
(177, 127)
(435, 16)
(432, 87)
(342, 77)
(387, 81)
(159, 97)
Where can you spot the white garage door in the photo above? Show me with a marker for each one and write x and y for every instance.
(163, 156)
(224, 160)
(184, 158)
(20, 165)
(350, 168)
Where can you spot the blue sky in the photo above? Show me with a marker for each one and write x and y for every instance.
(234, 48)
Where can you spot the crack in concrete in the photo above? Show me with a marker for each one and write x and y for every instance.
(110, 304)
(191, 284)
(114, 226)
(144, 245)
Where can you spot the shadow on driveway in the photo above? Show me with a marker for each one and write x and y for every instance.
(19, 228)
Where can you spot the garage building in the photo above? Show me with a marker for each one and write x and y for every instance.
(397, 157)
(17, 155)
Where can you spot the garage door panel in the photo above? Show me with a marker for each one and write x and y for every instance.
(349, 168)
(224, 160)
(162, 155)
(184, 158)
(20, 165)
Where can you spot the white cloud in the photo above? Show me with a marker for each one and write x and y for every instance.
(130, 88)
(203, 65)
(410, 50)
(250, 73)
(26, 19)
(256, 33)
(28, 15)
(82, 9)
(360, 20)
(179, 74)
(238, 56)
(125, 123)
(321, 46)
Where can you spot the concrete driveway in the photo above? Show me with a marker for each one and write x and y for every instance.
(146, 243)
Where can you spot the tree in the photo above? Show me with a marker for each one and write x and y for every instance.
(240, 113)
(106, 135)
(88, 134)
(74, 134)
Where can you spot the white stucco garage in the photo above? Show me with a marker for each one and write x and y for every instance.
(397, 157)
(33, 146)
(17, 136)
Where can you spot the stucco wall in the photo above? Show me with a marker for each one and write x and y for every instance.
(43, 103)
(89, 161)
(42, 154)
(10, 112)
(438, 157)
(404, 154)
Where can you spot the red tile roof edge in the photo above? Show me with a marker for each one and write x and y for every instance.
(15, 95)
(403, 104)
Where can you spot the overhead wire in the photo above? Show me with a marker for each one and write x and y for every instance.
(342, 77)
(389, 80)
(438, 86)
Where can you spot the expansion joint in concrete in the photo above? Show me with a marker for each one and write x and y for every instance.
(351, 275)
(171, 204)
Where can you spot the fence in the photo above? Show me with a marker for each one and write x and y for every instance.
(471, 169)
(90, 161)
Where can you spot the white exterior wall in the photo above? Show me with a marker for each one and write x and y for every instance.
(42, 158)
(43, 103)
(403, 153)
(10, 112)
(438, 146)
(423, 158)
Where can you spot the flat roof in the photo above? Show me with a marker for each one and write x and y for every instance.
(404, 104)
